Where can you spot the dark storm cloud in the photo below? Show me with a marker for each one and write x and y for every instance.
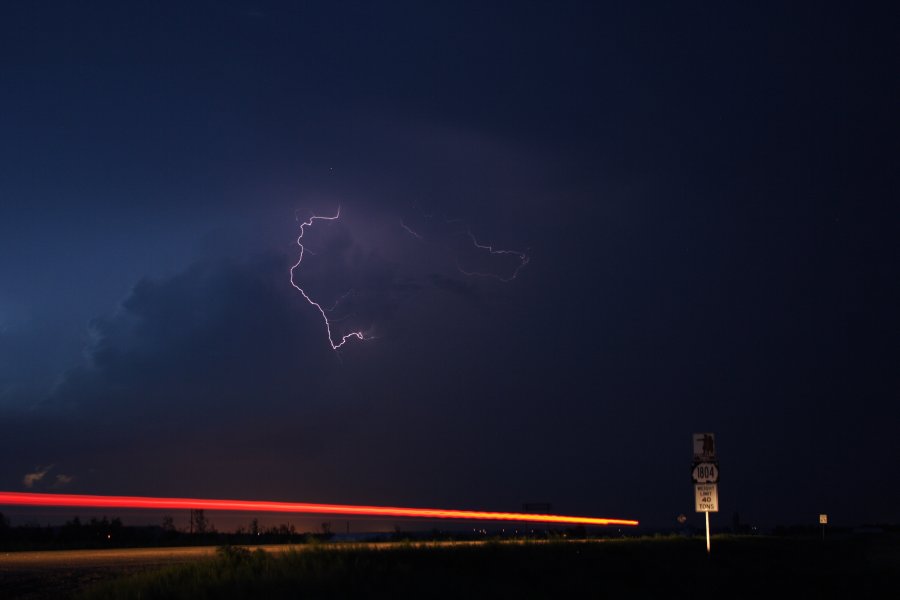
(706, 196)
(190, 337)
(182, 357)
(225, 360)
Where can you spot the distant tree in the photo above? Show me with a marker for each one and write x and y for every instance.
(168, 524)
(72, 530)
(254, 527)
(326, 528)
(4, 526)
(578, 532)
(99, 529)
(199, 522)
(114, 529)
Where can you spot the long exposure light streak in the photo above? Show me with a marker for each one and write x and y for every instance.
(524, 259)
(87, 501)
(357, 334)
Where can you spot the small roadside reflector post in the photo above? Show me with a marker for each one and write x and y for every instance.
(705, 475)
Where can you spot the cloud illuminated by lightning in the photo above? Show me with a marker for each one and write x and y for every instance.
(355, 334)
(524, 259)
(31, 478)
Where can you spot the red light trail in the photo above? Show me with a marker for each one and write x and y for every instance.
(76, 500)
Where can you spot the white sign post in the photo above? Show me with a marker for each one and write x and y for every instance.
(705, 475)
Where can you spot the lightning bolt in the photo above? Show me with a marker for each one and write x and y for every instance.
(355, 334)
(524, 259)
(343, 297)
(410, 231)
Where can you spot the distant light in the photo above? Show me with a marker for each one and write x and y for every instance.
(35, 499)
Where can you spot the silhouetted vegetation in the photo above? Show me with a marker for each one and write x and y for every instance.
(746, 567)
(73, 534)
(112, 533)
(201, 531)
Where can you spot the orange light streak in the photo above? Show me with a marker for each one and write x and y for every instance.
(70, 500)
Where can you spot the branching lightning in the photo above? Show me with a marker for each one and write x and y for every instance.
(340, 299)
(524, 259)
(410, 231)
(355, 334)
(73, 500)
(337, 341)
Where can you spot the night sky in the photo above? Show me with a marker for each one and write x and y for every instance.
(705, 197)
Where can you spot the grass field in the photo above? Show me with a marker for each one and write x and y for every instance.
(739, 567)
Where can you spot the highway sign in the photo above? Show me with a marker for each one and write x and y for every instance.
(704, 447)
(706, 497)
(705, 472)
(823, 519)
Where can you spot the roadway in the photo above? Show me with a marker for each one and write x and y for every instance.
(40, 575)
(116, 557)
(55, 574)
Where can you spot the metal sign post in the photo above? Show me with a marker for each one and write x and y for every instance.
(705, 475)
(707, 531)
